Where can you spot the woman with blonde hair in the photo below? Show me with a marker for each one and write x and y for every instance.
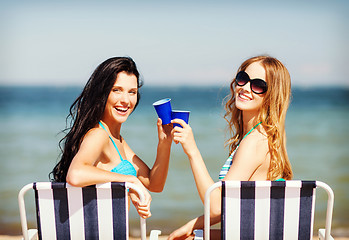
(255, 112)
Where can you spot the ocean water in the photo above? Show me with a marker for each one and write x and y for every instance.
(32, 118)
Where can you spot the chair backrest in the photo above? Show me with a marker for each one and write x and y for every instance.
(267, 209)
(94, 212)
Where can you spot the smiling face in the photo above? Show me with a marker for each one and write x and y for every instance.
(245, 99)
(122, 98)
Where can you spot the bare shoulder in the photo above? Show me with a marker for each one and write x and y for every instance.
(251, 154)
(96, 133)
(257, 138)
(260, 141)
(256, 145)
(96, 136)
(93, 145)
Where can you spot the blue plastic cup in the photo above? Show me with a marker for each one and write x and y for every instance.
(163, 109)
(184, 115)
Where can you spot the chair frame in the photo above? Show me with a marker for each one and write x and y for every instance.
(323, 233)
(31, 233)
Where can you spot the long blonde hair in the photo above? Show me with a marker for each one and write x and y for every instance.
(272, 115)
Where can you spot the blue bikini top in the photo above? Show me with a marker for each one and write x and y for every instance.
(124, 167)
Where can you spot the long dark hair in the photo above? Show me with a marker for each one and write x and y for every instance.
(88, 108)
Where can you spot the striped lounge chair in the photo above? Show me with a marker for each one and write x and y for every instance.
(94, 212)
(269, 210)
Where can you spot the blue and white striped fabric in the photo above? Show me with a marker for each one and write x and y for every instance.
(268, 210)
(93, 212)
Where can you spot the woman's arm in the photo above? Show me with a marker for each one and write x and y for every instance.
(201, 175)
(253, 151)
(247, 159)
(197, 223)
(154, 179)
(83, 172)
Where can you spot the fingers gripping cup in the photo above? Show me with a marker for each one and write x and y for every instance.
(184, 115)
(163, 109)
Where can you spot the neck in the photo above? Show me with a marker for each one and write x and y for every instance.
(249, 121)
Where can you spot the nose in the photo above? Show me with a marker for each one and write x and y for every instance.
(247, 87)
(125, 98)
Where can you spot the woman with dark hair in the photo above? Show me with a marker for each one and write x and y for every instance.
(255, 111)
(94, 151)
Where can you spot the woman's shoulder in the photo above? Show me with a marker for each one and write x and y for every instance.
(96, 135)
(255, 143)
(256, 138)
(252, 152)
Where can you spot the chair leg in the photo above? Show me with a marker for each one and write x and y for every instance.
(322, 235)
(154, 234)
(32, 234)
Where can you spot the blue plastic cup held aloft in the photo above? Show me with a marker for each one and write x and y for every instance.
(163, 109)
(184, 115)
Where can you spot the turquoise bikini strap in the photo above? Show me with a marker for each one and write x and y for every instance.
(251, 130)
(112, 141)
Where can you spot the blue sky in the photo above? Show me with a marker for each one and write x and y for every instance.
(173, 42)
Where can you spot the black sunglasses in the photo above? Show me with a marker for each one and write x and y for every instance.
(258, 86)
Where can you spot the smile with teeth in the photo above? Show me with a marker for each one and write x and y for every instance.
(244, 97)
(121, 109)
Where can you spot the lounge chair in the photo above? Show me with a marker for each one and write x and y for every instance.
(94, 212)
(268, 210)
